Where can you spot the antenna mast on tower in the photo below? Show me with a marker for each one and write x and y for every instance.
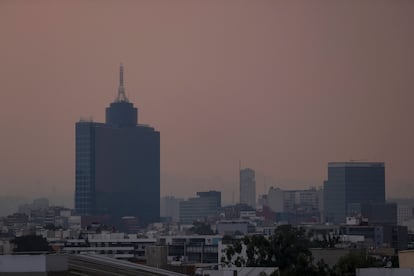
(121, 89)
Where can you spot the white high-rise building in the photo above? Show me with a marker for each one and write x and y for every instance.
(248, 187)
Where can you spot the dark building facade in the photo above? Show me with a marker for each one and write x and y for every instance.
(380, 213)
(200, 208)
(351, 184)
(118, 165)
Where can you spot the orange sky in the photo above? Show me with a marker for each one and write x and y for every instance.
(284, 86)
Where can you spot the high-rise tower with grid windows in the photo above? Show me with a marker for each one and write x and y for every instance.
(351, 185)
(118, 164)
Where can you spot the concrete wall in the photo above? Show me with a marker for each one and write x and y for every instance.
(57, 263)
(406, 259)
(22, 263)
(32, 263)
(156, 255)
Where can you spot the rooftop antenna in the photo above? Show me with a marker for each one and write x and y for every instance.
(239, 178)
(357, 160)
(121, 89)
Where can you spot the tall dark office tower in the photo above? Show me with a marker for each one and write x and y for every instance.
(349, 186)
(118, 164)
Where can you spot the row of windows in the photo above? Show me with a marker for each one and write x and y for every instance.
(83, 178)
(85, 199)
(83, 153)
(85, 159)
(83, 193)
(82, 207)
(80, 170)
(83, 143)
(83, 184)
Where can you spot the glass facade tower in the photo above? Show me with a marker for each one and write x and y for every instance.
(351, 184)
(85, 166)
(118, 165)
(206, 205)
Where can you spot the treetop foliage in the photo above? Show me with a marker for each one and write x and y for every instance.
(289, 250)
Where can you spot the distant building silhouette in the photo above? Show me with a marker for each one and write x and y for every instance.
(248, 187)
(170, 208)
(349, 186)
(234, 211)
(206, 205)
(295, 206)
(118, 164)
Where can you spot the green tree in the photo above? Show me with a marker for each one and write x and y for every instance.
(258, 251)
(30, 243)
(290, 245)
(201, 228)
(234, 246)
(327, 241)
(287, 249)
(348, 264)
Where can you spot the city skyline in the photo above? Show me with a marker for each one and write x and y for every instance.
(283, 87)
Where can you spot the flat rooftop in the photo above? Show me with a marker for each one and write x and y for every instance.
(355, 164)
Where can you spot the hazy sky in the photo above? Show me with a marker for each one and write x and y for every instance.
(283, 86)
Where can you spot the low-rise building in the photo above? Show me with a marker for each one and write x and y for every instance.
(295, 206)
(192, 248)
(33, 264)
(239, 271)
(231, 227)
(116, 245)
